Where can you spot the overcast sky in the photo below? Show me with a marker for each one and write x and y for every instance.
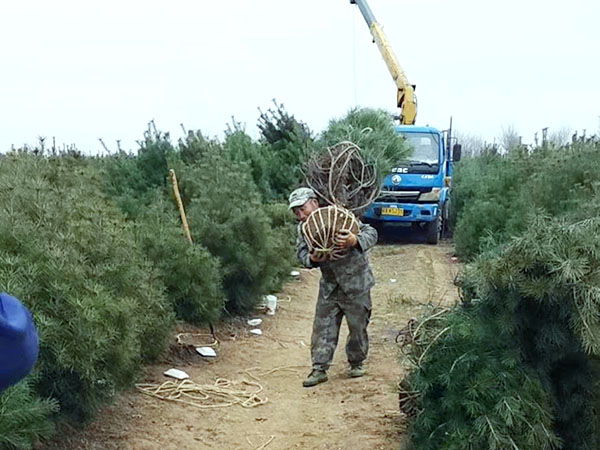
(83, 70)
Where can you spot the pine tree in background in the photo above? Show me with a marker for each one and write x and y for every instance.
(242, 150)
(238, 252)
(153, 155)
(195, 146)
(190, 274)
(226, 216)
(131, 180)
(494, 195)
(277, 126)
(288, 142)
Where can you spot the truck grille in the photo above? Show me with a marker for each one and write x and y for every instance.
(395, 194)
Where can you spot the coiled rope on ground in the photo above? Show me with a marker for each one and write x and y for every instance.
(222, 393)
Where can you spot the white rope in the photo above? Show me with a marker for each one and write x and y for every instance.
(221, 394)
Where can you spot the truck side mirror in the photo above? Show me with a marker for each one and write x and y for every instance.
(456, 152)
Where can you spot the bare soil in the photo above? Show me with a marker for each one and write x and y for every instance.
(343, 413)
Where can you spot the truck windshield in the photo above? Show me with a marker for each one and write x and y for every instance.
(424, 148)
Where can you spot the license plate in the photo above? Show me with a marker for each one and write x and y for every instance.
(392, 211)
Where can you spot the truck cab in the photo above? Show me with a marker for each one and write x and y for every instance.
(417, 189)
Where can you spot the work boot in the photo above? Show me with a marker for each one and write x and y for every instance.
(357, 370)
(316, 376)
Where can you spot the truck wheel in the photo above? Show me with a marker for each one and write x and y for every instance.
(445, 229)
(434, 230)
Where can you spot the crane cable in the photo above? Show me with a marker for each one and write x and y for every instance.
(354, 55)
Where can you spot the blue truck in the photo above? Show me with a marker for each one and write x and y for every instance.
(417, 191)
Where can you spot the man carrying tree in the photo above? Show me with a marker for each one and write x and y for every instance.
(344, 290)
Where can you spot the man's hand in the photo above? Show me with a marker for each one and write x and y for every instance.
(338, 253)
(317, 256)
(345, 239)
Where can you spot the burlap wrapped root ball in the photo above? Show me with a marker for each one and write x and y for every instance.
(321, 227)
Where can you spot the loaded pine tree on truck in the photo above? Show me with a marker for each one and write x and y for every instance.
(417, 191)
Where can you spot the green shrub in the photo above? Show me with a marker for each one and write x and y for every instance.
(124, 183)
(494, 196)
(152, 158)
(242, 150)
(24, 418)
(286, 144)
(226, 216)
(283, 234)
(196, 146)
(476, 394)
(131, 179)
(67, 253)
(189, 272)
(522, 352)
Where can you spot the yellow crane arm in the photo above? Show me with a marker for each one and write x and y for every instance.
(406, 99)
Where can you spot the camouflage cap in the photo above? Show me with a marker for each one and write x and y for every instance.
(300, 196)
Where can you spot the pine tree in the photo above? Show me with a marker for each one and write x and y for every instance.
(517, 365)
(24, 417)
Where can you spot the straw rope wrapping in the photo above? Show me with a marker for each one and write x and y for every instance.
(321, 227)
(339, 176)
(219, 395)
(415, 340)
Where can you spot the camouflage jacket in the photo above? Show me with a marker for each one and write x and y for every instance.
(352, 273)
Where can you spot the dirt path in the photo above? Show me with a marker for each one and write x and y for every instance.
(343, 413)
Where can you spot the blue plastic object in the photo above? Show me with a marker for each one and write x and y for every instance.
(19, 345)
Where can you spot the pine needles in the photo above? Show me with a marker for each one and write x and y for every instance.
(24, 417)
(516, 365)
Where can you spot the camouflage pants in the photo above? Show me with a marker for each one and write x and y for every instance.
(326, 327)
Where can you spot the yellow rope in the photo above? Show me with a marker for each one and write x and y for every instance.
(221, 394)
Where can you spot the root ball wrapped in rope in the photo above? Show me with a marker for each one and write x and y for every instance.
(340, 176)
(321, 227)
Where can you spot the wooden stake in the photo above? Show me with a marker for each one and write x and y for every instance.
(186, 228)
